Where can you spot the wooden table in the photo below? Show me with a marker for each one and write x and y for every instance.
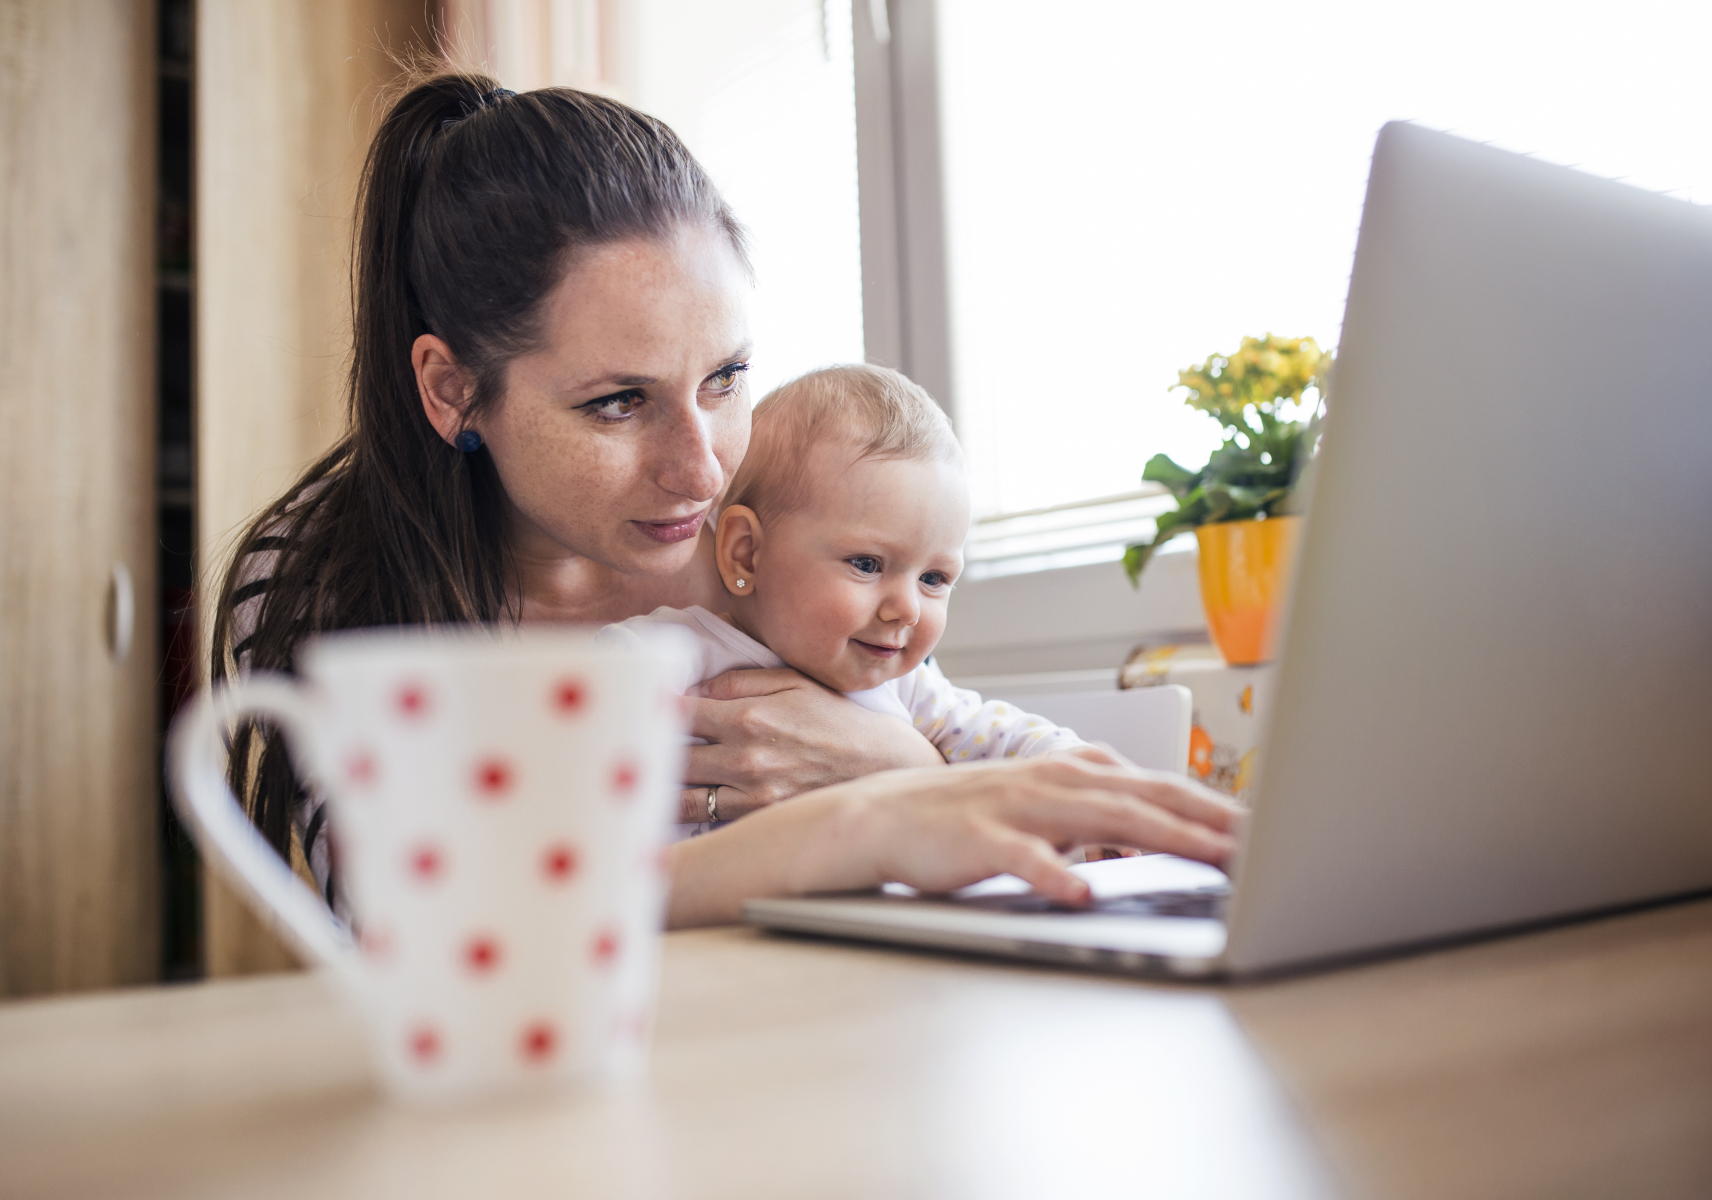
(1571, 1062)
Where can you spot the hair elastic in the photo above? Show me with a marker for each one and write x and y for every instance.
(469, 441)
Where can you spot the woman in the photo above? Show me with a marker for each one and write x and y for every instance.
(547, 399)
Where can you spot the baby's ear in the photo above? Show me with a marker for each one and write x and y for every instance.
(735, 543)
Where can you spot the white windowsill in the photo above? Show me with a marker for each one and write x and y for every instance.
(1073, 622)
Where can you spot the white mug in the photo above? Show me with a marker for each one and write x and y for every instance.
(500, 805)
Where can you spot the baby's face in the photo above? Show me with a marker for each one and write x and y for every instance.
(852, 589)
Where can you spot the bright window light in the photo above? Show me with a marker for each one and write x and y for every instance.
(763, 93)
(1134, 186)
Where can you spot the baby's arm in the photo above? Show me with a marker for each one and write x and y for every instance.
(965, 727)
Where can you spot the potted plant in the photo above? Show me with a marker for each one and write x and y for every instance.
(1239, 504)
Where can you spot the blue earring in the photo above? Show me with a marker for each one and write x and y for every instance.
(469, 441)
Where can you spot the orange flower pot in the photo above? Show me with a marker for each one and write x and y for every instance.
(1245, 567)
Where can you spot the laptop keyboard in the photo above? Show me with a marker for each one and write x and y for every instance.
(1201, 902)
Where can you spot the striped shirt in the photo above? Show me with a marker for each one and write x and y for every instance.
(308, 818)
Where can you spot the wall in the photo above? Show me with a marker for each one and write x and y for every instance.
(78, 848)
(288, 95)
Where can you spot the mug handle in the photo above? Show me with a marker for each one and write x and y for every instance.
(196, 764)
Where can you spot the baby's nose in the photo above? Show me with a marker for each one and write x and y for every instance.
(900, 608)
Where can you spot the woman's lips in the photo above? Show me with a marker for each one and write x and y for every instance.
(668, 532)
(877, 651)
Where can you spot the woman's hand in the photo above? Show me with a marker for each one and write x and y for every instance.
(943, 829)
(775, 734)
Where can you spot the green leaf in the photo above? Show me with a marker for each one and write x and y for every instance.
(1179, 481)
(1179, 520)
(1135, 558)
(1185, 518)
(1187, 515)
(1252, 499)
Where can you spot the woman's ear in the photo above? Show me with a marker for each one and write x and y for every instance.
(443, 385)
(735, 544)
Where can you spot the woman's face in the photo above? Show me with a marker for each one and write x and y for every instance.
(614, 438)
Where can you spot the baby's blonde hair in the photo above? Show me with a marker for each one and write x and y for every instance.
(875, 411)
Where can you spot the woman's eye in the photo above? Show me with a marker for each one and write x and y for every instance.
(867, 564)
(615, 408)
(726, 378)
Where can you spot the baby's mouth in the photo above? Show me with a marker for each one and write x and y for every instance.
(878, 651)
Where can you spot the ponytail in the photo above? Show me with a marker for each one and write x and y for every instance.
(471, 199)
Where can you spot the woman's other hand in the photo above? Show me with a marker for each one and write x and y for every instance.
(943, 829)
(774, 734)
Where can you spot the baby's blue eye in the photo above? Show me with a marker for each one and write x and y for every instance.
(867, 564)
(936, 579)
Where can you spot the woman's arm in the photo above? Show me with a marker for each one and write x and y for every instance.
(776, 734)
(939, 830)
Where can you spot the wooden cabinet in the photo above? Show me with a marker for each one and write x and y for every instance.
(286, 96)
(78, 656)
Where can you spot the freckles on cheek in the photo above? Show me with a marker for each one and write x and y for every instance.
(560, 478)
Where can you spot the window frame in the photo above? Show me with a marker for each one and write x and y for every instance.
(906, 292)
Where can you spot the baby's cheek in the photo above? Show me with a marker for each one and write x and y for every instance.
(802, 634)
(931, 625)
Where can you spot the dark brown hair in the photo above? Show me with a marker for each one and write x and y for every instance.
(471, 201)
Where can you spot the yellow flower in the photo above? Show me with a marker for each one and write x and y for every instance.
(1262, 372)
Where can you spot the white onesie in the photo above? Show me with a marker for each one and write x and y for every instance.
(961, 725)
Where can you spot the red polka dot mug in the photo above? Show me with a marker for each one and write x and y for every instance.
(498, 806)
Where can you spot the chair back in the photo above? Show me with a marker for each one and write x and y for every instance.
(1149, 726)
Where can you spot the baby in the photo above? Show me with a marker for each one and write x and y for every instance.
(838, 543)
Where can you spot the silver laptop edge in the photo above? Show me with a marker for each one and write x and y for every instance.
(1492, 706)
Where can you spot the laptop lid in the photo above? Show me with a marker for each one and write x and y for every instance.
(1495, 698)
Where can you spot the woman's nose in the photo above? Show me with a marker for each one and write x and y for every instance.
(901, 604)
(688, 466)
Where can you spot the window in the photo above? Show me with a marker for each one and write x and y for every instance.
(1129, 187)
(762, 92)
(763, 95)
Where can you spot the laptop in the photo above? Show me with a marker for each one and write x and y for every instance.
(1493, 705)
